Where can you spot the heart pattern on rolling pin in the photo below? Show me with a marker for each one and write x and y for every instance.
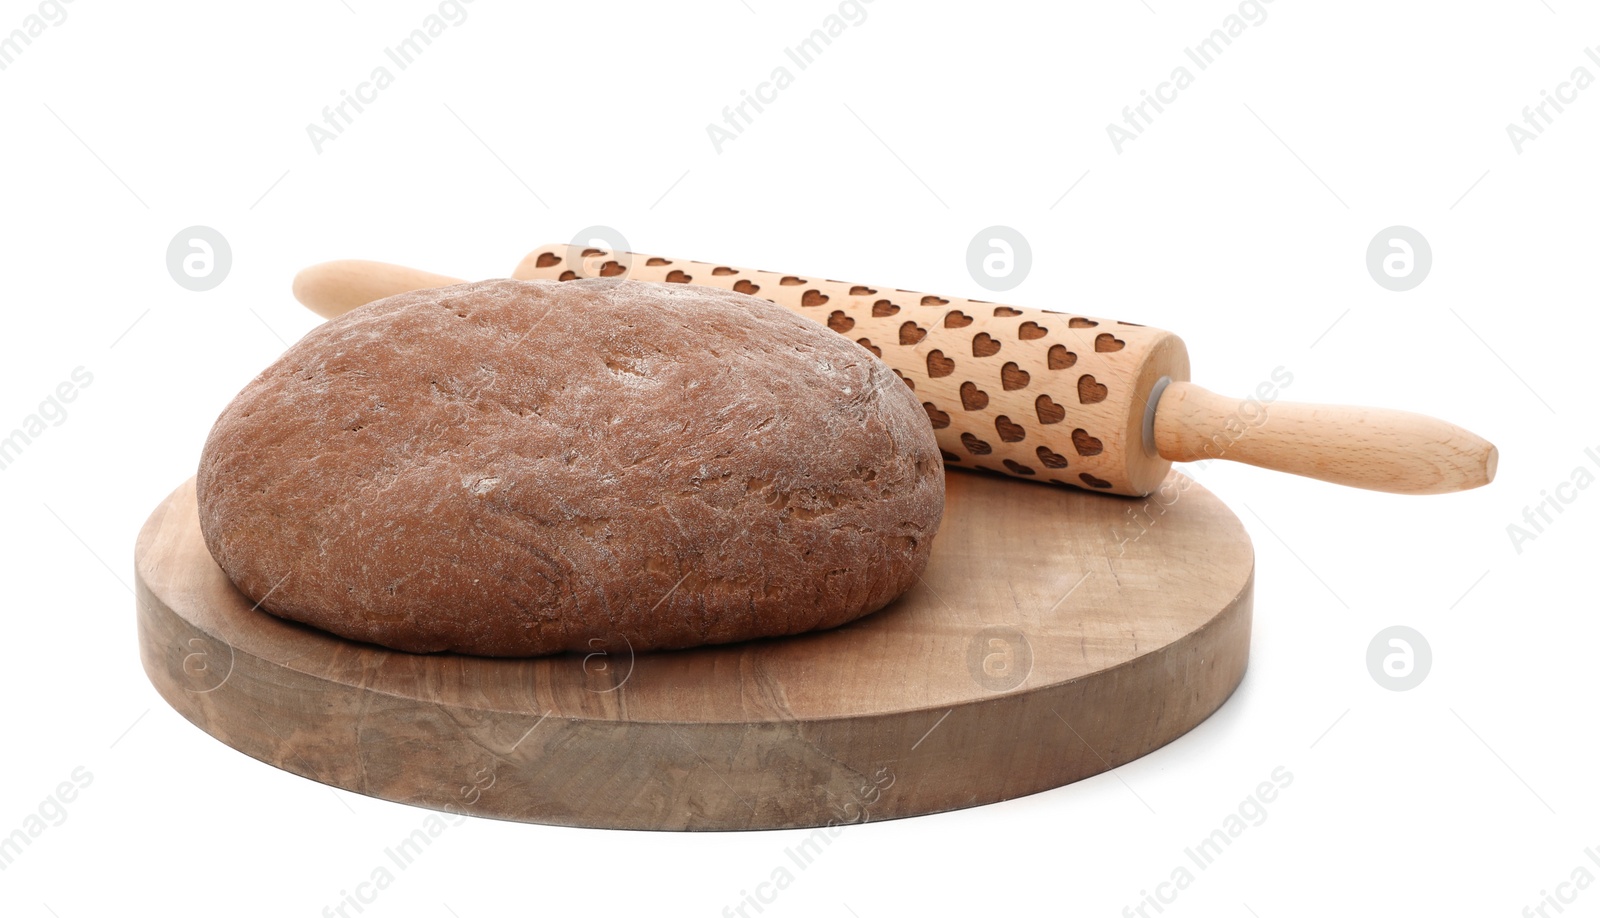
(973, 398)
(1049, 412)
(1051, 459)
(1105, 343)
(1019, 429)
(1085, 444)
(1013, 377)
(1090, 391)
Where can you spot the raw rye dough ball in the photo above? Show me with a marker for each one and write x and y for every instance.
(514, 468)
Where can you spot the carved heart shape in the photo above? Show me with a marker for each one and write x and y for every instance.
(1105, 343)
(935, 301)
(568, 275)
(1005, 311)
(939, 365)
(984, 346)
(1090, 391)
(1016, 467)
(657, 262)
(949, 456)
(957, 319)
(588, 253)
(1028, 331)
(1009, 432)
(859, 290)
(1051, 460)
(745, 286)
(1080, 322)
(1085, 444)
(813, 298)
(840, 322)
(975, 446)
(547, 259)
(675, 277)
(612, 269)
(1092, 481)
(791, 281)
(722, 272)
(876, 351)
(1061, 358)
(1049, 412)
(911, 333)
(938, 418)
(1013, 377)
(973, 398)
(906, 379)
(884, 308)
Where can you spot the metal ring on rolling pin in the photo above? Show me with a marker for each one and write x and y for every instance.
(1148, 431)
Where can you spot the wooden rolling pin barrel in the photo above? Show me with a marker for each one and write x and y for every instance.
(1048, 396)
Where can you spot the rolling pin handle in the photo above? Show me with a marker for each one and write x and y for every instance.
(1374, 448)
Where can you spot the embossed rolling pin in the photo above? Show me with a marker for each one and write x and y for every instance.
(1050, 396)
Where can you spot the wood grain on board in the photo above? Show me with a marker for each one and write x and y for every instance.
(1056, 634)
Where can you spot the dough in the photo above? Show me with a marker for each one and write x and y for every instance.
(515, 468)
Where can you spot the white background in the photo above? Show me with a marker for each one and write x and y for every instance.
(1240, 219)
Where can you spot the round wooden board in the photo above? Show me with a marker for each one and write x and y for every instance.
(1056, 634)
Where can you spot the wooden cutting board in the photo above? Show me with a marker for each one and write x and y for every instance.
(1056, 634)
